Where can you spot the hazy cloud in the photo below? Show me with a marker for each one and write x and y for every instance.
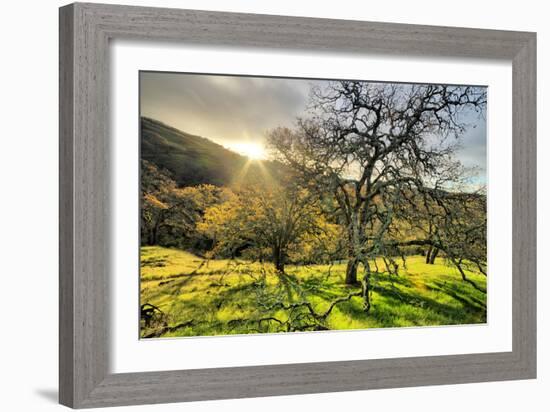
(222, 108)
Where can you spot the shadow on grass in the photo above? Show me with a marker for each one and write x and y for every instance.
(415, 300)
(155, 261)
(207, 308)
(459, 293)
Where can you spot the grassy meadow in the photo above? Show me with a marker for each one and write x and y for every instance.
(191, 296)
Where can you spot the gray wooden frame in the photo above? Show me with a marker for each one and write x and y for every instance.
(85, 31)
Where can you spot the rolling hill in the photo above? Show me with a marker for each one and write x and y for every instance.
(191, 159)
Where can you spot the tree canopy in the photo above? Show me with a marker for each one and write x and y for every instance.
(383, 152)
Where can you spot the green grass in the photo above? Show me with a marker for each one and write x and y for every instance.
(219, 297)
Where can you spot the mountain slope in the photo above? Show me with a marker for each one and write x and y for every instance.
(191, 159)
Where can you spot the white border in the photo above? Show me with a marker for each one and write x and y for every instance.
(129, 354)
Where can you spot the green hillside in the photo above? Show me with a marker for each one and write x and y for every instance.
(192, 160)
(195, 297)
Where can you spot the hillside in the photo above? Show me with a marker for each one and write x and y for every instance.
(191, 159)
(219, 298)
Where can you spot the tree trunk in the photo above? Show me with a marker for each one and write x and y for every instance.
(351, 271)
(366, 292)
(428, 254)
(280, 266)
(279, 260)
(153, 235)
(433, 256)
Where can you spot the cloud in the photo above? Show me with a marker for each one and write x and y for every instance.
(473, 151)
(222, 108)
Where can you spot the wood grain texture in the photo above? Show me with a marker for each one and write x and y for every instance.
(85, 31)
(66, 183)
(524, 186)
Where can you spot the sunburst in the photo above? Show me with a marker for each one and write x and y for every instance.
(252, 150)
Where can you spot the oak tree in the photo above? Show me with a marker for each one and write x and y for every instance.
(372, 146)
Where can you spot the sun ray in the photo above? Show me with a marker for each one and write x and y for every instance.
(242, 173)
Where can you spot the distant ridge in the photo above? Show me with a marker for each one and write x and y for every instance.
(192, 160)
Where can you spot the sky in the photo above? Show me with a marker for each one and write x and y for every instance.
(237, 111)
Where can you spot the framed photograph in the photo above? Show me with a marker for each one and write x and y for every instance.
(256, 205)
